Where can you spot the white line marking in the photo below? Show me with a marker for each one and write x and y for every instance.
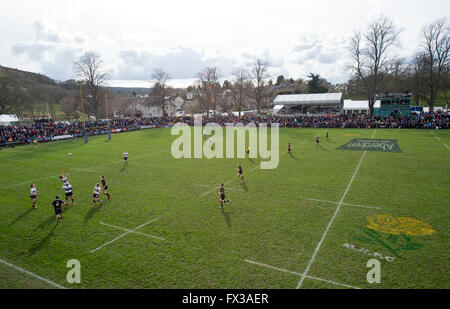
(15, 160)
(76, 169)
(215, 188)
(254, 168)
(332, 219)
(348, 204)
(446, 146)
(33, 275)
(298, 274)
(130, 231)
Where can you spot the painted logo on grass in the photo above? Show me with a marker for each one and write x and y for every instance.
(385, 145)
(213, 147)
(395, 234)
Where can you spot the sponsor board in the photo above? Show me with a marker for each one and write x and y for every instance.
(62, 137)
(385, 145)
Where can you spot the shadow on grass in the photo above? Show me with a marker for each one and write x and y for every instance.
(244, 186)
(251, 160)
(51, 219)
(94, 210)
(227, 217)
(43, 241)
(123, 169)
(292, 156)
(21, 216)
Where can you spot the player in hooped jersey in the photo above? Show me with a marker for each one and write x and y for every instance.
(63, 177)
(105, 187)
(96, 194)
(56, 204)
(33, 195)
(125, 157)
(68, 190)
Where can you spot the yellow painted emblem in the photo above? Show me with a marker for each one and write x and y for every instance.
(395, 226)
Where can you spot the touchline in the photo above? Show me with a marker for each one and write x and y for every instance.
(213, 147)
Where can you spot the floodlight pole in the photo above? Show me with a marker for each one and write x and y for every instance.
(82, 106)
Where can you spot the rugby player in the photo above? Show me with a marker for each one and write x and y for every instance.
(317, 142)
(239, 169)
(96, 194)
(68, 190)
(33, 194)
(125, 157)
(222, 196)
(56, 204)
(105, 187)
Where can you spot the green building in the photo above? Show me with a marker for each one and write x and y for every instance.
(393, 104)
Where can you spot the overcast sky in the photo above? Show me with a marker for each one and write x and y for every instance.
(134, 37)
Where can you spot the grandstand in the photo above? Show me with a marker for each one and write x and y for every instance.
(398, 104)
(315, 104)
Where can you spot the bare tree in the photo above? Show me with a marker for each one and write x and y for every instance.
(209, 88)
(435, 59)
(240, 89)
(68, 105)
(90, 68)
(370, 53)
(259, 74)
(160, 90)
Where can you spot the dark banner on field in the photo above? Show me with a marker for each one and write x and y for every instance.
(382, 145)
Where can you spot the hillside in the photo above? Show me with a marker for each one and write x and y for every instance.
(27, 79)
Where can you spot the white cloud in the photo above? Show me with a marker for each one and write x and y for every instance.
(296, 37)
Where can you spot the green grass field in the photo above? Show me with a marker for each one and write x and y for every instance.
(266, 238)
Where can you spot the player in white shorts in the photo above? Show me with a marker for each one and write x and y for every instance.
(125, 157)
(96, 194)
(33, 194)
(68, 189)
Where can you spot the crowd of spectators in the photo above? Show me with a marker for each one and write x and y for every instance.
(25, 132)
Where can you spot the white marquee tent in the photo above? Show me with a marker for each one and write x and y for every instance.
(6, 119)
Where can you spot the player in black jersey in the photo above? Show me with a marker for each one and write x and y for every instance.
(289, 149)
(326, 135)
(56, 204)
(248, 151)
(317, 142)
(222, 196)
(105, 187)
(239, 169)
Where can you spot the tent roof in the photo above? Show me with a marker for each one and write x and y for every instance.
(359, 105)
(5, 118)
(309, 99)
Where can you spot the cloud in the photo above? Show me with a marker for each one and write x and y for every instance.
(52, 50)
(180, 62)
